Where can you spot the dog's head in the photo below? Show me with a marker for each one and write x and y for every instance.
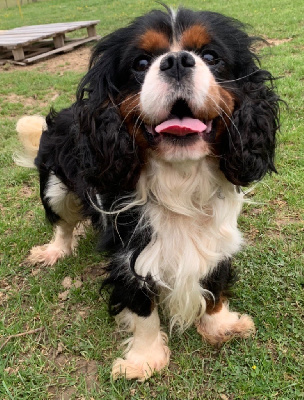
(178, 86)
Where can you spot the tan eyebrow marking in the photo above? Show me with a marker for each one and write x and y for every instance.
(153, 40)
(195, 37)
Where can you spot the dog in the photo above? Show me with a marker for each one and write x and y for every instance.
(173, 116)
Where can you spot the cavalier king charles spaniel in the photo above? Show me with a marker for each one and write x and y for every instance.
(173, 116)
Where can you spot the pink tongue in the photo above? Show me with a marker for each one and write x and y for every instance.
(181, 127)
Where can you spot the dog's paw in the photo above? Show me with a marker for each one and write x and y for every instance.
(47, 254)
(225, 325)
(141, 363)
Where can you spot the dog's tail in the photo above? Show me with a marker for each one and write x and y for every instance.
(29, 129)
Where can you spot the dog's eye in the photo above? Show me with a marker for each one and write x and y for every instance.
(210, 57)
(141, 64)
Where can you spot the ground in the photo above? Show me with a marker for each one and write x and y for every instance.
(76, 60)
(69, 356)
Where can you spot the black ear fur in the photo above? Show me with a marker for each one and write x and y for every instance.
(249, 148)
(108, 155)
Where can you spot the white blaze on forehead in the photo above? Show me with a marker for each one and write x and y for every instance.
(158, 93)
(175, 46)
(173, 14)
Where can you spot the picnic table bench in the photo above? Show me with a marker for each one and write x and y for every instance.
(27, 44)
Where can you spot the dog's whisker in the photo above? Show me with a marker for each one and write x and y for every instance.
(222, 111)
(135, 130)
(127, 115)
(237, 79)
(128, 98)
(116, 105)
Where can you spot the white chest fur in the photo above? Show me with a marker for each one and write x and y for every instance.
(193, 212)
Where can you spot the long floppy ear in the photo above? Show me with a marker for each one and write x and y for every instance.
(108, 156)
(249, 148)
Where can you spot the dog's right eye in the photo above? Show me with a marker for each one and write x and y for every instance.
(141, 64)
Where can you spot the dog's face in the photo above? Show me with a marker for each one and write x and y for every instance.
(177, 103)
(186, 85)
(181, 103)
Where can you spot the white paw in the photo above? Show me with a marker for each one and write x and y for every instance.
(225, 325)
(47, 254)
(142, 364)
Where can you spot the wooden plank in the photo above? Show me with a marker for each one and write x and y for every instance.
(18, 54)
(30, 52)
(49, 28)
(91, 30)
(3, 62)
(58, 41)
(61, 49)
(57, 25)
(33, 40)
(26, 35)
(38, 51)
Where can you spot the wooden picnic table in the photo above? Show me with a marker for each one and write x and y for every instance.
(27, 44)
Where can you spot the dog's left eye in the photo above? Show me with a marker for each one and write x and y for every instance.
(141, 64)
(210, 57)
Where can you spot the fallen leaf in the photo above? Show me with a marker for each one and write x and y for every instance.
(67, 282)
(36, 271)
(64, 295)
(60, 348)
(77, 284)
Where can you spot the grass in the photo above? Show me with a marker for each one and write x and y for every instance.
(14, 3)
(71, 358)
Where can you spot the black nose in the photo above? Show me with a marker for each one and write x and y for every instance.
(177, 65)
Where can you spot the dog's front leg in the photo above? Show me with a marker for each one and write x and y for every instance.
(221, 325)
(147, 349)
(61, 245)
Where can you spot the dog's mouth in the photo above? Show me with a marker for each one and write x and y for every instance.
(181, 127)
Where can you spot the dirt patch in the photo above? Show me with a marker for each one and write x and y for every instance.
(277, 42)
(288, 220)
(64, 367)
(5, 290)
(93, 272)
(284, 216)
(26, 191)
(26, 101)
(29, 102)
(271, 43)
(76, 60)
(68, 284)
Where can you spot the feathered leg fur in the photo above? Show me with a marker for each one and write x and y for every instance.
(223, 325)
(62, 244)
(218, 324)
(147, 349)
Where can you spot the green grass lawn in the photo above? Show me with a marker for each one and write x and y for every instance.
(70, 354)
(15, 3)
